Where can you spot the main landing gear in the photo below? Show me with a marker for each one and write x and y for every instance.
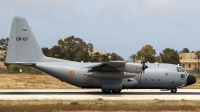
(108, 91)
(173, 90)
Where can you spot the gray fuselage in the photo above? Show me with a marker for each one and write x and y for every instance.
(163, 76)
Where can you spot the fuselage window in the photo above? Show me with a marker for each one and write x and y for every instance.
(151, 79)
(145, 79)
(158, 79)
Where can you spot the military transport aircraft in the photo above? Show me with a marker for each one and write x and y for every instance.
(114, 76)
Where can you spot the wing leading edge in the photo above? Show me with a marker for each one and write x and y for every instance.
(109, 66)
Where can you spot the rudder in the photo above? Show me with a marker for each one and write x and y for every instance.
(22, 46)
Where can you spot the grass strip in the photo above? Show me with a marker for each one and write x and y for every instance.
(98, 105)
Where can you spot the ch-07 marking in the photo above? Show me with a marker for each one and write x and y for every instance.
(20, 38)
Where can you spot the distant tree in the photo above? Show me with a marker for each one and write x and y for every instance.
(158, 59)
(197, 53)
(3, 43)
(75, 49)
(71, 48)
(185, 50)
(89, 47)
(133, 57)
(97, 57)
(170, 56)
(105, 58)
(46, 51)
(147, 53)
(115, 57)
(58, 52)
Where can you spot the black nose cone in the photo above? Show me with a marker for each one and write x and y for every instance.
(191, 80)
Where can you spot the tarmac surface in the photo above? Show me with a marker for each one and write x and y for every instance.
(94, 94)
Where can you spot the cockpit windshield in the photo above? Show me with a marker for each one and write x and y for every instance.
(180, 69)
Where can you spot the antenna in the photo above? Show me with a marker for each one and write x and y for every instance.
(45, 33)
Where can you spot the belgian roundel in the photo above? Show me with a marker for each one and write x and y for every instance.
(71, 73)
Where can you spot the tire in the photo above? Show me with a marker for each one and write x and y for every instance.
(173, 90)
(116, 91)
(106, 91)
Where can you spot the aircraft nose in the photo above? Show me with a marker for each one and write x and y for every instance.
(191, 80)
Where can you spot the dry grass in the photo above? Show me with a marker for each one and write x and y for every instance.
(30, 81)
(98, 105)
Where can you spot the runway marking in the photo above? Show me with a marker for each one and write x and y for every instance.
(94, 94)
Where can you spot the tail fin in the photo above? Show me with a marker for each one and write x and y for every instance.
(22, 46)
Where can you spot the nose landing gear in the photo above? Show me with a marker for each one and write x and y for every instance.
(173, 90)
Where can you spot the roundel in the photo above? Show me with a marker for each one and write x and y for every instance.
(71, 73)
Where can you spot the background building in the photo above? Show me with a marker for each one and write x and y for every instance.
(189, 61)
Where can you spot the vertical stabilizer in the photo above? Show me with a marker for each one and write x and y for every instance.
(22, 46)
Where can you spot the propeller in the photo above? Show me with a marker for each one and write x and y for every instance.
(143, 65)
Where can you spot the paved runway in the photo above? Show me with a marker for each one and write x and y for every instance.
(93, 94)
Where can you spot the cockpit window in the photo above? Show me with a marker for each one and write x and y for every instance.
(186, 73)
(182, 76)
(179, 69)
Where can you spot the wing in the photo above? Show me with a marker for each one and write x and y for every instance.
(109, 66)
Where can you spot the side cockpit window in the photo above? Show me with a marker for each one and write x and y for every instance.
(182, 76)
(179, 69)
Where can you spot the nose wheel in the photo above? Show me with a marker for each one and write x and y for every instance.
(173, 90)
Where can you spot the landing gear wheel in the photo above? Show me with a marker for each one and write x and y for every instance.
(106, 91)
(173, 90)
(116, 91)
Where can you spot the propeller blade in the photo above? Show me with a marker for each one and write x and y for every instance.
(144, 66)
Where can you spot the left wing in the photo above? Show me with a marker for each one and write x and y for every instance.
(119, 66)
(109, 66)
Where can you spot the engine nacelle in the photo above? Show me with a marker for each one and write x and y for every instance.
(111, 74)
(129, 83)
(133, 67)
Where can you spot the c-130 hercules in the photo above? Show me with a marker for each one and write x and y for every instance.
(114, 76)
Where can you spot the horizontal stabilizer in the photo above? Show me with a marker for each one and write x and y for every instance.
(20, 63)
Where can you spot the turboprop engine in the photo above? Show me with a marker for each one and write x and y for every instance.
(135, 67)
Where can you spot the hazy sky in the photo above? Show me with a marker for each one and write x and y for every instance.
(120, 26)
